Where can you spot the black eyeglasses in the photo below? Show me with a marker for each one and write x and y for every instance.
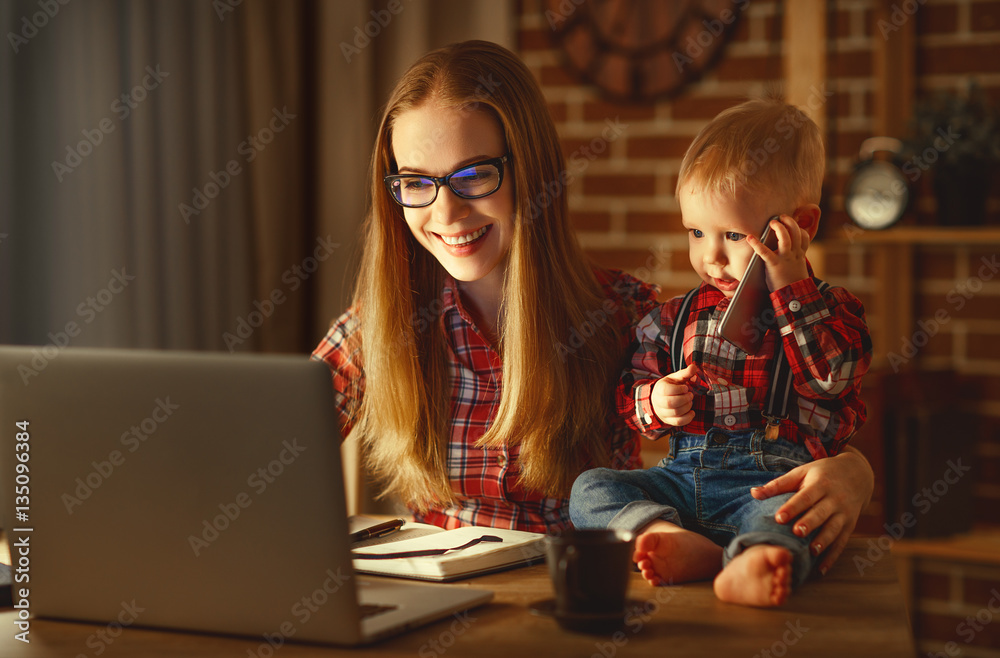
(472, 181)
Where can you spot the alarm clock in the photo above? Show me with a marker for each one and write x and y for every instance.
(877, 193)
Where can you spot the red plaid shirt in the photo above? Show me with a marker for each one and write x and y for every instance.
(825, 339)
(486, 480)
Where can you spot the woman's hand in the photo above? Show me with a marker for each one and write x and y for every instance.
(830, 494)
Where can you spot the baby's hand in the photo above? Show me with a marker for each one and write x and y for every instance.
(788, 264)
(672, 398)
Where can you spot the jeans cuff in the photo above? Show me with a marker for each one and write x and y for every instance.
(640, 513)
(802, 558)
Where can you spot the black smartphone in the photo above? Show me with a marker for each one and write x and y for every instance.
(749, 315)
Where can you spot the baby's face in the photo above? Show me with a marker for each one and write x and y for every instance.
(717, 227)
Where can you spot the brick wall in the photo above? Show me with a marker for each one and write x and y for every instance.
(623, 207)
(956, 608)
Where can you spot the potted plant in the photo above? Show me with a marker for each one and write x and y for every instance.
(958, 137)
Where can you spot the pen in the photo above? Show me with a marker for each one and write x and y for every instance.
(377, 530)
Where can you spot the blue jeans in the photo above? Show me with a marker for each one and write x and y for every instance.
(704, 486)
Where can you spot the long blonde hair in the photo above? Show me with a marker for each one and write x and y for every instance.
(555, 402)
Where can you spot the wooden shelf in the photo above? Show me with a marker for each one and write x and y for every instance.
(978, 547)
(925, 235)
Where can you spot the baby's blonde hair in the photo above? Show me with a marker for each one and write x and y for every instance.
(762, 146)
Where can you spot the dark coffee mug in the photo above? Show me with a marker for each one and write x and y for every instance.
(590, 571)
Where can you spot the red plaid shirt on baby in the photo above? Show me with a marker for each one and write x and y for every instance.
(826, 342)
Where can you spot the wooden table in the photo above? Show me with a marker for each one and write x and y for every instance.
(847, 613)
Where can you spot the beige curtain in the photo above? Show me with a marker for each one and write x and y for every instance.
(171, 170)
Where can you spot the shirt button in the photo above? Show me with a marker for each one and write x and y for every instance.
(729, 420)
(501, 460)
(722, 381)
(795, 306)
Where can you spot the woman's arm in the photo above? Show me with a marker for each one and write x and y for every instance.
(830, 494)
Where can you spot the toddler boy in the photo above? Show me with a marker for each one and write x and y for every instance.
(736, 421)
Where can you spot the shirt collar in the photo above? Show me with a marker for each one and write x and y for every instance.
(453, 300)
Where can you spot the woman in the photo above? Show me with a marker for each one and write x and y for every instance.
(478, 358)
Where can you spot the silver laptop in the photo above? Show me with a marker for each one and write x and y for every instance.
(193, 491)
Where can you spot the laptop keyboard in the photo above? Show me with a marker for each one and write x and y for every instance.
(372, 609)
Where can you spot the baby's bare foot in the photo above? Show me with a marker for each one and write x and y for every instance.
(675, 556)
(759, 576)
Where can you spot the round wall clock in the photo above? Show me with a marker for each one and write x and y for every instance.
(641, 50)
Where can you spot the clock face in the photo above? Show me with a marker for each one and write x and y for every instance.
(641, 50)
(877, 195)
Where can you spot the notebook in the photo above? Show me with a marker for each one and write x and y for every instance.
(481, 550)
(192, 491)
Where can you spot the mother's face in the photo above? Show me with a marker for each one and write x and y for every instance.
(469, 237)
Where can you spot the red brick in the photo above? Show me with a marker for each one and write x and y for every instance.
(958, 60)
(849, 142)
(534, 40)
(557, 76)
(941, 345)
(680, 261)
(843, 20)
(937, 19)
(984, 346)
(588, 148)
(979, 591)
(982, 262)
(590, 221)
(601, 110)
(988, 388)
(836, 183)
(772, 27)
(986, 511)
(851, 64)
(753, 67)
(622, 259)
(936, 627)
(836, 263)
(985, 16)
(842, 104)
(742, 32)
(671, 184)
(979, 307)
(834, 222)
(869, 261)
(653, 222)
(621, 185)
(989, 471)
(705, 107)
(933, 586)
(935, 264)
(661, 147)
(559, 112)
(992, 95)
